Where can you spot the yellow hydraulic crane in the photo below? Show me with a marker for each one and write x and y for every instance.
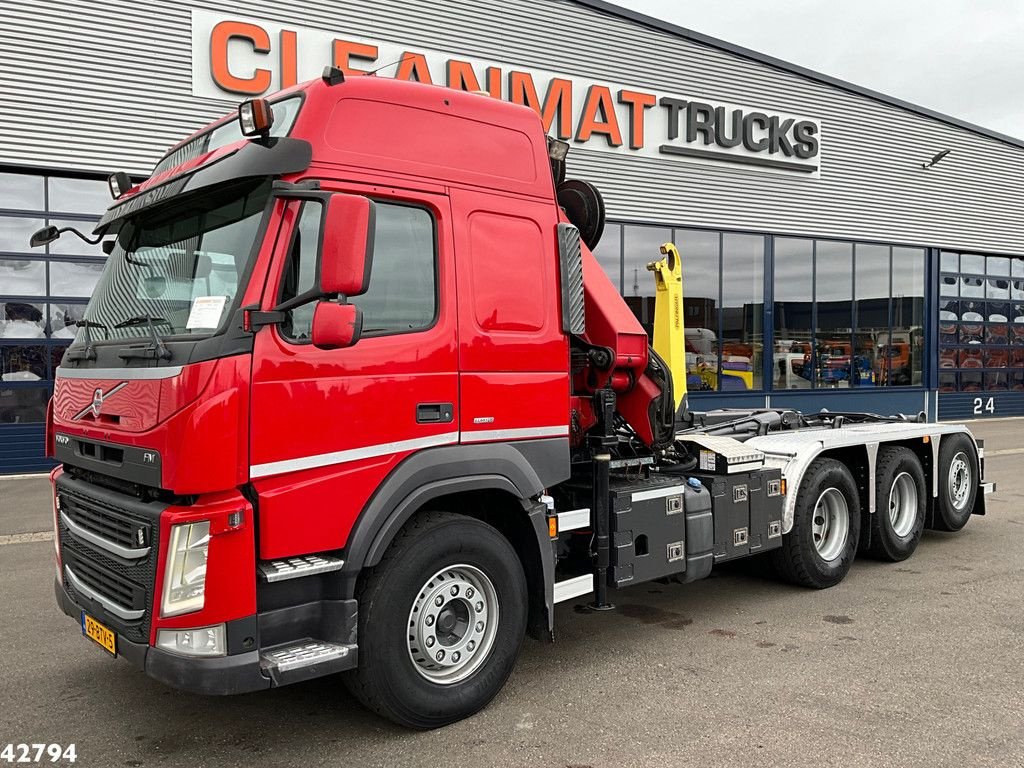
(669, 328)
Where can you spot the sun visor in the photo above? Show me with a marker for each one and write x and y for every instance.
(276, 157)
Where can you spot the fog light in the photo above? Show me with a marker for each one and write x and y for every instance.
(202, 641)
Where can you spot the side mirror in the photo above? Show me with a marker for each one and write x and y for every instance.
(44, 236)
(336, 326)
(346, 252)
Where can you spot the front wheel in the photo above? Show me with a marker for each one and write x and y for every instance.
(820, 548)
(441, 622)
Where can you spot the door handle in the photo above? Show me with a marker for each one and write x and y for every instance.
(434, 413)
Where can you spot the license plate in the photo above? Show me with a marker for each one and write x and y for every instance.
(95, 631)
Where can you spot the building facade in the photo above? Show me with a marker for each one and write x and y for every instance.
(833, 256)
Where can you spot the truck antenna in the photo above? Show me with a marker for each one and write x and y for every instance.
(390, 64)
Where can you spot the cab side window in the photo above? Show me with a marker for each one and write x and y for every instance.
(402, 295)
(300, 272)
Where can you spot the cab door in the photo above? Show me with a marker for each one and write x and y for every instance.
(329, 425)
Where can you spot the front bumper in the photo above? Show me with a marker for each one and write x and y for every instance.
(223, 675)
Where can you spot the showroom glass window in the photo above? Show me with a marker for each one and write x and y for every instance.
(724, 315)
(847, 314)
(981, 323)
(43, 291)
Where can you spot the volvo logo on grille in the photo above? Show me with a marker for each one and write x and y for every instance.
(98, 398)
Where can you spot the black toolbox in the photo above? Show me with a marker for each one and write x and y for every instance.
(747, 511)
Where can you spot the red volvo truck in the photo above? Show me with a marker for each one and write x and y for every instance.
(353, 396)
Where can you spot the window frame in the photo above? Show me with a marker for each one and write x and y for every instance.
(377, 200)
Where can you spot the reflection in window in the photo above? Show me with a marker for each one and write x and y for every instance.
(63, 318)
(402, 295)
(793, 286)
(300, 272)
(56, 355)
(74, 278)
(981, 334)
(21, 192)
(742, 312)
(15, 233)
(997, 265)
(699, 253)
(833, 263)
(78, 195)
(972, 263)
(21, 320)
(23, 277)
(22, 362)
(609, 253)
(908, 320)
(874, 351)
(23, 405)
(641, 246)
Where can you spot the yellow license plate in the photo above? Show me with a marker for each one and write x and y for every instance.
(99, 633)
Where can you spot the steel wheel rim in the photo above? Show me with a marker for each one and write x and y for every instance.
(830, 524)
(903, 504)
(959, 481)
(452, 624)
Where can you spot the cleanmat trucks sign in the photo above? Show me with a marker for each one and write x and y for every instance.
(236, 56)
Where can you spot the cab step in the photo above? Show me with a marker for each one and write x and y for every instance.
(296, 567)
(306, 659)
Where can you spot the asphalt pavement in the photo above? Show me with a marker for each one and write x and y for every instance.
(917, 663)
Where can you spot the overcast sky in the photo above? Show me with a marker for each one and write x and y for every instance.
(959, 57)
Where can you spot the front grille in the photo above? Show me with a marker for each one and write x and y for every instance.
(104, 521)
(107, 583)
(117, 518)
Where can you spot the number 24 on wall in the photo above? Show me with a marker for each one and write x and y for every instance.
(983, 406)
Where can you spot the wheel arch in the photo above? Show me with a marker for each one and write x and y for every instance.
(498, 483)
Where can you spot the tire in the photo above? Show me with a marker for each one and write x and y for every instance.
(958, 482)
(436, 555)
(813, 555)
(900, 505)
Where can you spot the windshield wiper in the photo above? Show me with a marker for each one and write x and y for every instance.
(158, 351)
(89, 353)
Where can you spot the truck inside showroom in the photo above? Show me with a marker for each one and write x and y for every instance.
(353, 395)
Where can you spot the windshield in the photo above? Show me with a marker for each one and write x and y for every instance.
(285, 112)
(178, 266)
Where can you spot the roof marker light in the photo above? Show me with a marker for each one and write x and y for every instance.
(333, 75)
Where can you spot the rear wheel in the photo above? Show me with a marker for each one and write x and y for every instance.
(900, 502)
(820, 548)
(441, 622)
(958, 482)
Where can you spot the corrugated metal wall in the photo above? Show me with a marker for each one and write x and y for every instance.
(104, 85)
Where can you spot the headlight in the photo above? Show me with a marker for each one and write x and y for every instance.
(185, 575)
(202, 641)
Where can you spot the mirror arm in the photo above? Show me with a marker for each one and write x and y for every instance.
(74, 231)
(256, 319)
(313, 294)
